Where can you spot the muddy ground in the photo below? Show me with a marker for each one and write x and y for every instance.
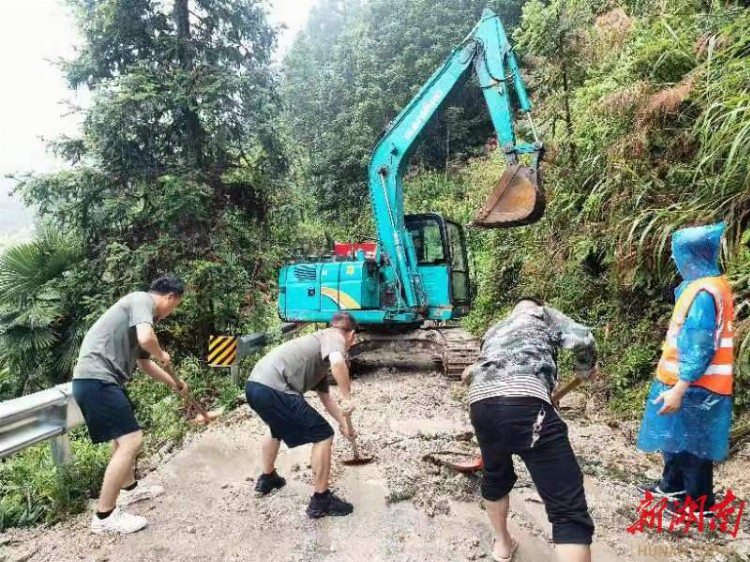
(405, 509)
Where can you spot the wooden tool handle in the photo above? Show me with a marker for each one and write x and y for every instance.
(567, 387)
(353, 438)
(190, 399)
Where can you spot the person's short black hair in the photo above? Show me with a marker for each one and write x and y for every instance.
(166, 285)
(535, 300)
(344, 321)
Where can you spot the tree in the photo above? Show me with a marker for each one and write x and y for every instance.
(40, 324)
(553, 35)
(351, 71)
(180, 161)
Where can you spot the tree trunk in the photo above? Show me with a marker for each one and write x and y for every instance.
(566, 90)
(568, 117)
(191, 126)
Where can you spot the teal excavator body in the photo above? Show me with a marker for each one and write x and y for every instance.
(418, 267)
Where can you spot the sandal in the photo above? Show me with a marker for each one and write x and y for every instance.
(513, 548)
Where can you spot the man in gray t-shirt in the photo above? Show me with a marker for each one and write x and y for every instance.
(301, 364)
(110, 349)
(274, 391)
(120, 340)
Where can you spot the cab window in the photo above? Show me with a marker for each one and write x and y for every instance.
(458, 252)
(428, 241)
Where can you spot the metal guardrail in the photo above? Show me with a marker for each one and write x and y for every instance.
(253, 342)
(41, 416)
(49, 415)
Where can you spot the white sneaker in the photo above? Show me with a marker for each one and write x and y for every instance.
(139, 493)
(118, 522)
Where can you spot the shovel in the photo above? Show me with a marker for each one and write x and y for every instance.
(203, 416)
(516, 200)
(356, 460)
(460, 464)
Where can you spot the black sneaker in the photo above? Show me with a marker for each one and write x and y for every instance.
(658, 493)
(267, 483)
(329, 504)
(677, 509)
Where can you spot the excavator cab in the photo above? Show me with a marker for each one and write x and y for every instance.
(442, 263)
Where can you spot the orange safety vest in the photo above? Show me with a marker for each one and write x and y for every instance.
(718, 375)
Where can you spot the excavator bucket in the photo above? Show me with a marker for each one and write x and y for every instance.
(517, 200)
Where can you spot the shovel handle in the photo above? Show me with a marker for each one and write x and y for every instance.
(353, 438)
(567, 387)
(190, 399)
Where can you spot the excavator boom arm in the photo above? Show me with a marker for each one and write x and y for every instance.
(487, 50)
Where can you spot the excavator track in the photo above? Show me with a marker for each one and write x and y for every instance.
(448, 349)
(460, 349)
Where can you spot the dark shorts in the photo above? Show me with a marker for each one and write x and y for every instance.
(506, 426)
(106, 408)
(289, 416)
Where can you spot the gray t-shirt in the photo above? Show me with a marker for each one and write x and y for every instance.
(300, 364)
(110, 348)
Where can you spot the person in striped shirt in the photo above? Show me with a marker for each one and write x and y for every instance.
(510, 392)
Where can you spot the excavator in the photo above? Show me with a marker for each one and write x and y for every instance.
(415, 273)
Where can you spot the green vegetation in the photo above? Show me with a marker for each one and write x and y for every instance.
(351, 71)
(180, 168)
(197, 159)
(17, 237)
(636, 160)
(34, 490)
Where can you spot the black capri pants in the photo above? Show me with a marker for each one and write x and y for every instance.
(531, 428)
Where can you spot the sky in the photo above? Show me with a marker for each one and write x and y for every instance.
(34, 98)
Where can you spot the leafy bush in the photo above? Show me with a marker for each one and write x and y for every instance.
(34, 490)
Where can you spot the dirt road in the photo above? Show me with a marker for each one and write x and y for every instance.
(405, 509)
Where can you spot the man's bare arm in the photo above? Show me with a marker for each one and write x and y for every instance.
(340, 372)
(157, 373)
(149, 342)
(331, 406)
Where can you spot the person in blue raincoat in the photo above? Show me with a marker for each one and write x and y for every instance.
(689, 408)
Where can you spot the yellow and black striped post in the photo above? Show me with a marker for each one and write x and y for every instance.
(222, 351)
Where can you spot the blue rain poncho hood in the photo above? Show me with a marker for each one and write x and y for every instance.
(696, 251)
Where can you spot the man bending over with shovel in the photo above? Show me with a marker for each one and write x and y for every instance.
(275, 392)
(120, 339)
(512, 413)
